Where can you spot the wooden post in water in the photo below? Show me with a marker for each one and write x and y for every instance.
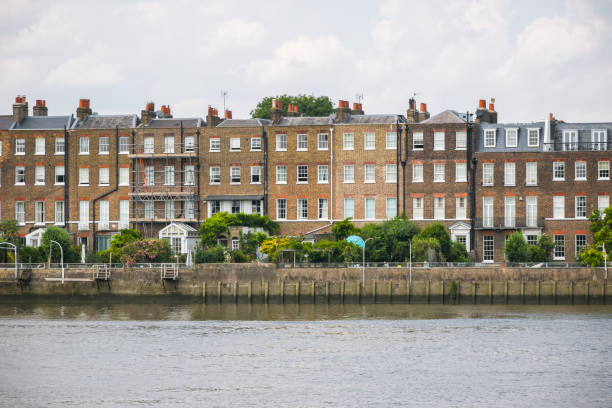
(218, 291)
(523, 291)
(327, 291)
(442, 291)
(235, 291)
(297, 292)
(204, 292)
(314, 296)
(490, 292)
(603, 291)
(571, 292)
(390, 291)
(358, 283)
(587, 285)
(474, 292)
(538, 290)
(267, 292)
(555, 291)
(342, 291)
(506, 292)
(373, 290)
(282, 291)
(459, 292)
(427, 290)
(250, 292)
(408, 291)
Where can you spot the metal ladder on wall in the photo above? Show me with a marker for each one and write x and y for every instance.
(102, 272)
(169, 272)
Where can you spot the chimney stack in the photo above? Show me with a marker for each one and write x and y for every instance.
(423, 114)
(40, 109)
(276, 111)
(228, 114)
(357, 109)
(148, 113)
(412, 115)
(343, 111)
(20, 108)
(83, 110)
(292, 110)
(212, 118)
(483, 115)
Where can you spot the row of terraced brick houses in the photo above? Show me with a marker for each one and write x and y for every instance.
(96, 174)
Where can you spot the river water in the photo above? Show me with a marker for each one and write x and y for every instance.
(178, 354)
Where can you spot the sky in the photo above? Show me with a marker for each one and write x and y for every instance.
(533, 57)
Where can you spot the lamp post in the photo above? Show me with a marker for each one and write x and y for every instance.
(61, 255)
(363, 252)
(605, 262)
(410, 263)
(14, 250)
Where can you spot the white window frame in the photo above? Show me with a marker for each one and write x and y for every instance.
(20, 212)
(302, 142)
(83, 215)
(168, 144)
(417, 175)
(439, 208)
(391, 141)
(439, 175)
(529, 139)
(582, 166)
(61, 173)
(189, 145)
(323, 174)
(149, 176)
(323, 209)
(369, 173)
(391, 173)
(558, 165)
(302, 208)
(488, 133)
(103, 176)
(169, 210)
(124, 145)
(603, 202)
(124, 176)
(190, 175)
(509, 174)
(214, 175)
(256, 144)
(20, 147)
(281, 142)
(600, 169)
(531, 211)
(488, 214)
(322, 141)
(103, 148)
(39, 146)
(596, 142)
(300, 177)
(570, 140)
(349, 173)
(439, 140)
(460, 208)
(234, 144)
(124, 214)
(577, 247)
(417, 208)
(559, 207)
(348, 141)
(214, 144)
(461, 140)
(391, 207)
(559, 256)
(39, 212)
(533, 168)
(461, 172)
(168, 175)
(149, 145)
(486, 169)
(510, 211)
(255, 171)
(281, 210)
(418, 137)
(149, 210)
(369, 201)
(349, 208)
(580, 205)
(19, 174)
(84, 176)
(488, 248)
(235, 171)
(84, 145)
(59, 213)
(511, 141)
(281, 174)
(104, 219)
(369, 141)
(60, 145)
(39, 175)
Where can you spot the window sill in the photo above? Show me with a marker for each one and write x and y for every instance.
(281, 182)
(59, 224)
(124, 152)
(531, 185)
(20, 184)
(59, 184)
(20, 154)
(460, 181)
(301, 150)
(488, 185)
(281, 150)
(348, 150)
(103, 185)
(559, 179)
(124, 185)
(235, 150)
(559, 259)
(58, 154)
(390, 182)
(302, 182)
(256, 150)
(83, 154)
(39, 154)
(369, 182)
(439, 181)
(583, 179)
(369, 148)
(83, 185)
(461, 148)
(417, 149)
(394, 148)
(417, 181)
(322, 182)
(321, 149)
(438, 150)
(235, 183)
(509, 185)
(103, 154)
(255, 182)
(604, 179)
(349, 182)
(214, 151)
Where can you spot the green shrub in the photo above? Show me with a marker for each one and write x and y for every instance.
(146, 251)
(31, 255)
(516, 248)
(215, 254)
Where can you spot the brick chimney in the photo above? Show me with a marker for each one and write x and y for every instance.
(292, 110)
(165, 112)
(228, 114)
(423, 114)
(20, 108)
(83, 110)
(483, 115)
(357, 109)
(148, 113)
(40, 109)
(276, 111)
(492, 113)
(343, 111)
(212, 118)
(412, 114)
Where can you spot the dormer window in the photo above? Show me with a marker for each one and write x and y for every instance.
(533, 137)
(489, 138)
(511, 137)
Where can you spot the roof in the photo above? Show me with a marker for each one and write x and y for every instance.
(106, 122)
(6, 121)
(382, 119)
(178, 227)
(233, 197)
(175, 123)
(522, 143)
(447, 116)
(305, 121)
(244, 122)
(43, 122)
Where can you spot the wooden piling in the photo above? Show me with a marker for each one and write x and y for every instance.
(297, 292)
(587, 287)
(408, 291)
(571, 292)
(267, 292)
(427, 283)
(204, 292)
(459, 292)
(475, 300)
(442, 291)
(390, 291)
(314, 295)
(342, 288)
(358, 283)
(374, 290)
(555, 291)
(490, 292)
(523, 291)
(218, 291)
(538, 290)
(327, 291)
(603, 291)
(506, 292)
(250, 292)
(282, 291)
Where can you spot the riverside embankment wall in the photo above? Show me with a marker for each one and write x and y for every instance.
(261, 283)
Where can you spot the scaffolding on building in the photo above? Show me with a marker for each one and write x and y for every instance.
(165, 185)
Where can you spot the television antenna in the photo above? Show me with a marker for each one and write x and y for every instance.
(359, 97)
(224, 94)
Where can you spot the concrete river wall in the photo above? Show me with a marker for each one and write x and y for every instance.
(265, 283)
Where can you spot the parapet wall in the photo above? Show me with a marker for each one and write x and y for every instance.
(265, 283)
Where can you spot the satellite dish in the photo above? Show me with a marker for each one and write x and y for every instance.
(357, 240)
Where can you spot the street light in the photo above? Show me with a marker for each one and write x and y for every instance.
(363, 251)
(605, 262)
(15, 250)
(410, 264)
(61, 254)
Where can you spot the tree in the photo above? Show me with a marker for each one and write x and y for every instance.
(343, 229)
(541, 251)
(601, 227)
(120, 240)
(439, 233)
(8, 230)
(215, 254)
(308, 105)
(213, 227)
(516, 248)
(458, 253)
(62, 237)
(421, 248)
(146, 251)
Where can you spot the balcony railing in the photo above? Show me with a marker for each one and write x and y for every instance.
(177, 149)
(576, 146)
(500, 223)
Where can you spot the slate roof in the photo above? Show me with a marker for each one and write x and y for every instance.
(383, 119)
(447, 116)
(500, 137)
(244, 122)
(106, 122)
(172, 123)
(43, 123)
(6, 121)
(305, 121)
(584, 134)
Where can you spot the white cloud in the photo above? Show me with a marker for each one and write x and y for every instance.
(90, 69)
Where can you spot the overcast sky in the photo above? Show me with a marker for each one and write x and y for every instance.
(534, 57)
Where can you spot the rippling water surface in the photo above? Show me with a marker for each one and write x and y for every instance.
(98, 354)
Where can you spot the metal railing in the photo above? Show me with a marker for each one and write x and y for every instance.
(169, 271)
(500, 223)
(386, 265)
(576, 146)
